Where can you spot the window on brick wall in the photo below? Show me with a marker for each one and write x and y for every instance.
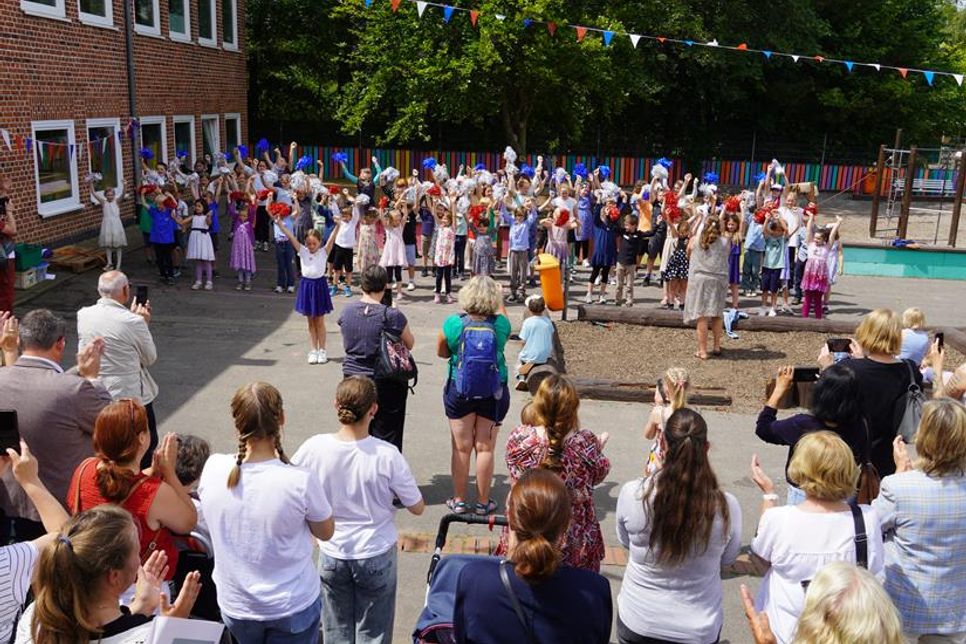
(45, 8)
(104, 153)
(153, 138)
(55, 166)
(184, 140)
(96, 12)
(232, 133)
(229, 11)
(210, 136)
(206, 22)
(179, 20)
(147, 17)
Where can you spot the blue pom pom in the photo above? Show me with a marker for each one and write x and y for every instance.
(340, 157)
(526, 171)
(604, 171)
(304, 161)
(665, 162)
(479, 166)
(580, 170)
(761, 176)
(146, 154)
(182, 153)
(262, 145)
(711, 177)
(429, 163)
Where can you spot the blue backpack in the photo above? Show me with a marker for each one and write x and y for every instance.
(477, 372)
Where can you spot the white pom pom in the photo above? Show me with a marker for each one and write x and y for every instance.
(315, 185)
(410, 194)
(390, 174)
(484, 177)
(93, 176)
(659, 172)
(298, 180)
(509, 155)
(362, 200)
(269, 178)
(440, 173)
(708, 189)
(451, 185)
(499, 192)
(560, 175)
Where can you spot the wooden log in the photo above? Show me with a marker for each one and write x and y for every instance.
(538, 374)
(638, 392)
(673, 319)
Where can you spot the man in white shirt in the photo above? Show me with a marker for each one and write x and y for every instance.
(128, 345)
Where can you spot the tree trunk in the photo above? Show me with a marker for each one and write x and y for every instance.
(515, 126)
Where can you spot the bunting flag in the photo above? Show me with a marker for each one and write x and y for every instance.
(959, 79)
(448, 13)
(929, 76)
(903, 72)
(608, 36)
(500, 17)
(877, 66)
(742, 47)
(474, 16)
(6, 137)
(552, 28)
(795, 57)
(819, 59)
(395, 5)
(767, 54)
(849, 65)
(527, 22)
(581, 32)
(71, 148)
(368, 3)
(661, 39)
(18, 141)
(689, 43)
(634, 40)
(29, 145)
(420, 7)
(40, 152)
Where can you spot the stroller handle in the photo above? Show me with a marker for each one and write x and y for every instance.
(473, 519)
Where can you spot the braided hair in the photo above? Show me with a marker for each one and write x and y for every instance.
(555, 407)
(257, 411)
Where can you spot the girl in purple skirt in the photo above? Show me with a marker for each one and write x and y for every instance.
(733, 232)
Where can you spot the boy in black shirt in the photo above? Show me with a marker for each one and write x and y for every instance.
(632, 244)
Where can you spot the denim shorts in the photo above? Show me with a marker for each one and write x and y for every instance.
(771, 280)
(410, 254)
(493, 408)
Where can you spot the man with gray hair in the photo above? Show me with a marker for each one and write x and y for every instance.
(128, 345)
(56, 412)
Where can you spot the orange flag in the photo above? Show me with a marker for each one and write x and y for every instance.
(903, 71)
(581, 32)
(552, 28)
(395, 5)
(474, 16)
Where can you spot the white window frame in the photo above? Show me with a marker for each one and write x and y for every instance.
(118, 157)
(217, 146)
(192, 156)
(236, 117)
(58, 12)
(72, 202)
(107, 20)
(213, 41)
(154, 120)
(148, 31)
(178, 36)
(232, 45)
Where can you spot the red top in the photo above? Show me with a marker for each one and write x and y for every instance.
(138, 503)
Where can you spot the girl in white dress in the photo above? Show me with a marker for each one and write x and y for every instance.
(394, 251)
(200, 248)
(112, 239)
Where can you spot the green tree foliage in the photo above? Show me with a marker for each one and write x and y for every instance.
(402, 80)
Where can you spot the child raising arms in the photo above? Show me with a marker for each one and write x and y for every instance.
(112, 239)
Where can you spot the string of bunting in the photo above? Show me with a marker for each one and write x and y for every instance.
(26, 144)
(607, 35)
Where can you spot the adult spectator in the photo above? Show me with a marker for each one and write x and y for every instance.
(680, 529)
(835, 407)
(915, 339)
(55, 411)
(8, 231)
(362, 322)
(262, 513)
(882, 379)
(476, 397)
(844, 604)
(128, 346)
(708, 284)
(9, 338)
(361, 475)
(797, 540)
(81, 575)
(922, 511)
(533, 596)
(946, 384)
(557, 443)
(155, 498)
(791, 214)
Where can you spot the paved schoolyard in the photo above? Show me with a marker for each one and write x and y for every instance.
(209, 343)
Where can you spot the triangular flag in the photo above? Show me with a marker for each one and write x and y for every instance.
(819, 58)
(368, 3)
(795, 57)
(608, 36)
(474, 16)
(40, 150)
(18, 142)
(849, 65)
(903, 71)
(877, 66)
(742, 47)
(551, 28)
(661, 39)
(688, 42)
(500, 17)
(30, 145)
(420, 7)
(527, 22)
(104, 145)
(581, 32)
(767, 53)
(712, 43)
(6, 135)
(929, 76)
(71, 150)
(958, 77)
(119, 137)
(395, 5)
(447, 13)
(635, 39)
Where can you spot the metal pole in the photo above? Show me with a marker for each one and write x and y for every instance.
(754, 144)
(907, 194)
(877, 194)
(958, 202)
(131, 96)
(824, 145)
(566, 287)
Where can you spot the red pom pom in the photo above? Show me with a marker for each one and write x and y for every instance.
(671, 212)
(476, 211)
(811, 209)
(383, 201)
(238, 195)
(170, 203)
(333, 189)
(762, 214)
(147, 189)
(435, 191)
(733, 204)
(563, 216)
(279, 210)
(263, 194)
(613, 213)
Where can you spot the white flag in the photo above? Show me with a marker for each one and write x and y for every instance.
(877, 66)
(795, 57)
(420, 7)
(500, 17)
(958, 77)
(634, 39)
(6, 135)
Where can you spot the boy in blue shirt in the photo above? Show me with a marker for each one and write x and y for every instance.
(537, 335)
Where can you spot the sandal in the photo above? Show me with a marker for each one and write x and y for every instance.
(717, 352)
(700, 357)
(484, 510)
(457, 507)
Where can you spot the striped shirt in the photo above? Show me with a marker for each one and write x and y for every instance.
(16, 569)
(922, 518)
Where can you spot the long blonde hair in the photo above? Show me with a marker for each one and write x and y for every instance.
(257, 411)
(676, 382)
(555, 407)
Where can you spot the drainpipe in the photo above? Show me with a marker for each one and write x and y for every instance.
(131, 98)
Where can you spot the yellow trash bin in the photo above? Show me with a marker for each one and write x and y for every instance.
(549, 268)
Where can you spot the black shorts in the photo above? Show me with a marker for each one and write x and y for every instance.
(341, 258)
(456, 406)
(771, 280)
(654, 246)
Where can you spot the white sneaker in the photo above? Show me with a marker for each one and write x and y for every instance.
(772, 313)
(313, 357)
(589, 299)
(320, 356)
(279, 289)
(196, 286)
(602, 300)
(209, 286)
(411, 287)
(586, 263)
(291, 289)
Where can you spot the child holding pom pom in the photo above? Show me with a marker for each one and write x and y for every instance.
(394, 250)
(243, 249)
(112, 239)
(200, 248)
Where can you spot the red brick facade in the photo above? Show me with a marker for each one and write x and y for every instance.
(64, 69)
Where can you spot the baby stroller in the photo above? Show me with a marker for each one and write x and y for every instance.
(435, 623)
(195, 554)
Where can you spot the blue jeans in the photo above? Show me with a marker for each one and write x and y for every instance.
(751, 270)
(300, 628)
(358, 598)
(284, 258)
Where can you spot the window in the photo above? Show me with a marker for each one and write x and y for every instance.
(96, 12)
(44, 8)
(104, 153)
(228, 21)
(147, 17)
(210, 139)
(179, 20)
(206, 22)
(154, 139)
(184, 140)
(55, 167)
(232, 134)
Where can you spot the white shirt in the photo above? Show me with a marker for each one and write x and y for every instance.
(793, 219)
(137, 635)
(569, 204)
(313, 264)
(260, 536)
(128, 348)
(16, 570)
(360, 478)
(346, 237)
(799, 544)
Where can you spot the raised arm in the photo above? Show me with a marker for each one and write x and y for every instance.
(348, 175)
(810, 228)
(99, 198)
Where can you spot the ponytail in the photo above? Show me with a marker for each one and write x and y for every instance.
(676, 382)
(538, 512)
(116, 441)
(711, 232)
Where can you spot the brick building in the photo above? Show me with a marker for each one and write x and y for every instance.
(65, 98)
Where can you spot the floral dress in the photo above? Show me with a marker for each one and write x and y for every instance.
(816, 275)
(584, 466)
(367, 253)
(444, 253)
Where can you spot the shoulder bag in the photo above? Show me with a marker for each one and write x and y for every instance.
(515, 601)
(869, 478)
(395, 362)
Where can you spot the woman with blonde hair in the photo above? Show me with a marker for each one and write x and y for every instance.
(882, 378)
(922, 510)
(796, 541)
(476, 397)
(262, 513)
(707, 292)
(558, 444)
(670, 395)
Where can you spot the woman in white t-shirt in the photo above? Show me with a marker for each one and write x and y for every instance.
(798, 540)
(262, 513)
(363, 477)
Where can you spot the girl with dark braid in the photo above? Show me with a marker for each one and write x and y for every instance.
(262, 514)
(557, 443)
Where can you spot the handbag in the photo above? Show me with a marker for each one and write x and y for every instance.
(515, 601)
(869, 478)
(395, 361)
(908, 407)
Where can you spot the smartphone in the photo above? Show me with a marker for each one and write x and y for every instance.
(839, 345)
(805, 374)
(141, 295)
(941, 339)
(9, 430)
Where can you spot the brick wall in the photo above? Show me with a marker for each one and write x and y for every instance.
(63, 69)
